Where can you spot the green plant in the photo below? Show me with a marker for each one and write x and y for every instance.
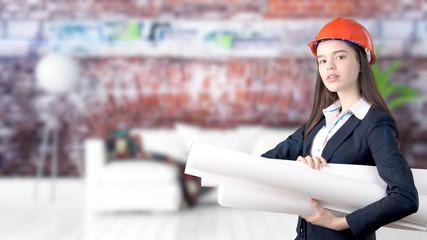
(394, 95)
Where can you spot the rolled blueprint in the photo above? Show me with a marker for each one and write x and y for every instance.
(252, 182)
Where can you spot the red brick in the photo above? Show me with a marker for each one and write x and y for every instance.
(312, 8)
(340, 8)
(283, 9)
(207, 83)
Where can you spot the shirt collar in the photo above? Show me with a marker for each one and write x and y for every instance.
(360, 109)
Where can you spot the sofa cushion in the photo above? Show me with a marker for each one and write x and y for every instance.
(137, 172)
(162, 141)
(226, 138)
(268, 138)
(249, 134)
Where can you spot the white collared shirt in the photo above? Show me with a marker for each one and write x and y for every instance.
(335, 121)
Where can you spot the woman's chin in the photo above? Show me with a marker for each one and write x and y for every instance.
(332, 89)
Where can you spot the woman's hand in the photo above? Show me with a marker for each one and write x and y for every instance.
(325, 218)
(313, 162)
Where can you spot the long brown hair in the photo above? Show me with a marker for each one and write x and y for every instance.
(368, 88)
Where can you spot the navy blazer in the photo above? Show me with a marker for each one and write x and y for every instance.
(371, 141)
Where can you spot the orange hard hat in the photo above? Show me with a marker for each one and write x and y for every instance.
(349, 30)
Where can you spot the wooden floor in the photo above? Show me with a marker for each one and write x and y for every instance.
(26, 216)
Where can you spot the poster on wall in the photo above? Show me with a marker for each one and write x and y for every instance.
(121, 38)
(167, 38)
(73, 37)
(190, 38)
(238, 39)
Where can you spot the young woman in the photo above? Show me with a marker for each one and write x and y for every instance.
(350, 124)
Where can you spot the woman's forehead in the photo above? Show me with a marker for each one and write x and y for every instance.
(332, 46)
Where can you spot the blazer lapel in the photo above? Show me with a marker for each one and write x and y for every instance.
(339, 137)
(311, 135)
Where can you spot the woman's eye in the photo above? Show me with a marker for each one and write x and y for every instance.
(340, 57)
(321, 61)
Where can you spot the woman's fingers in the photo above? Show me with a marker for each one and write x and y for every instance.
(316, 162)
(315, 204)
(319, 161)
(310, 162)
(323, 161)
(313, 162)
(301, 159)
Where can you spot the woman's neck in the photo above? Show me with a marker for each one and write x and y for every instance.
(348, 101)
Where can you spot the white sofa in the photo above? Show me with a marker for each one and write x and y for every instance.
(154, 186)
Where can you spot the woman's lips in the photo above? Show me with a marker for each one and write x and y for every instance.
(332, 77)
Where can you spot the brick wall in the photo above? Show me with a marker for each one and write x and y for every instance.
(57, 9)
(149, 91)
(349, 8)
(204, 92)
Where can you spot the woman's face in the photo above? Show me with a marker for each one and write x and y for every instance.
(338, 66)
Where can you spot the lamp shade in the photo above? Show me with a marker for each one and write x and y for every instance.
(57, 73)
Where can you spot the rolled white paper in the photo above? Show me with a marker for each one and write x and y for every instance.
(252, 182)
(207, 182)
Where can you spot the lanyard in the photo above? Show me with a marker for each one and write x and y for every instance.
(339, 119)
(348, 112)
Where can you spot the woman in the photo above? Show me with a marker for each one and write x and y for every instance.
(350, 124)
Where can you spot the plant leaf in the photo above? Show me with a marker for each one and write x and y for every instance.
(404, 90)
(379, 78)
(401, 89)
(393, 104)
(401, 94)
(391, 69)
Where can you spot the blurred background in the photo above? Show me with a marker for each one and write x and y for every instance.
(213, 64)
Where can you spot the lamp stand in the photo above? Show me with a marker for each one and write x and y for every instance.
(50, 131)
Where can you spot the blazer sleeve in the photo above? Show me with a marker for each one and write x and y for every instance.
(401, 197)
(290, 148)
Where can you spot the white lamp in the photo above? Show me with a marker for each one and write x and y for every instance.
(57, 74)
